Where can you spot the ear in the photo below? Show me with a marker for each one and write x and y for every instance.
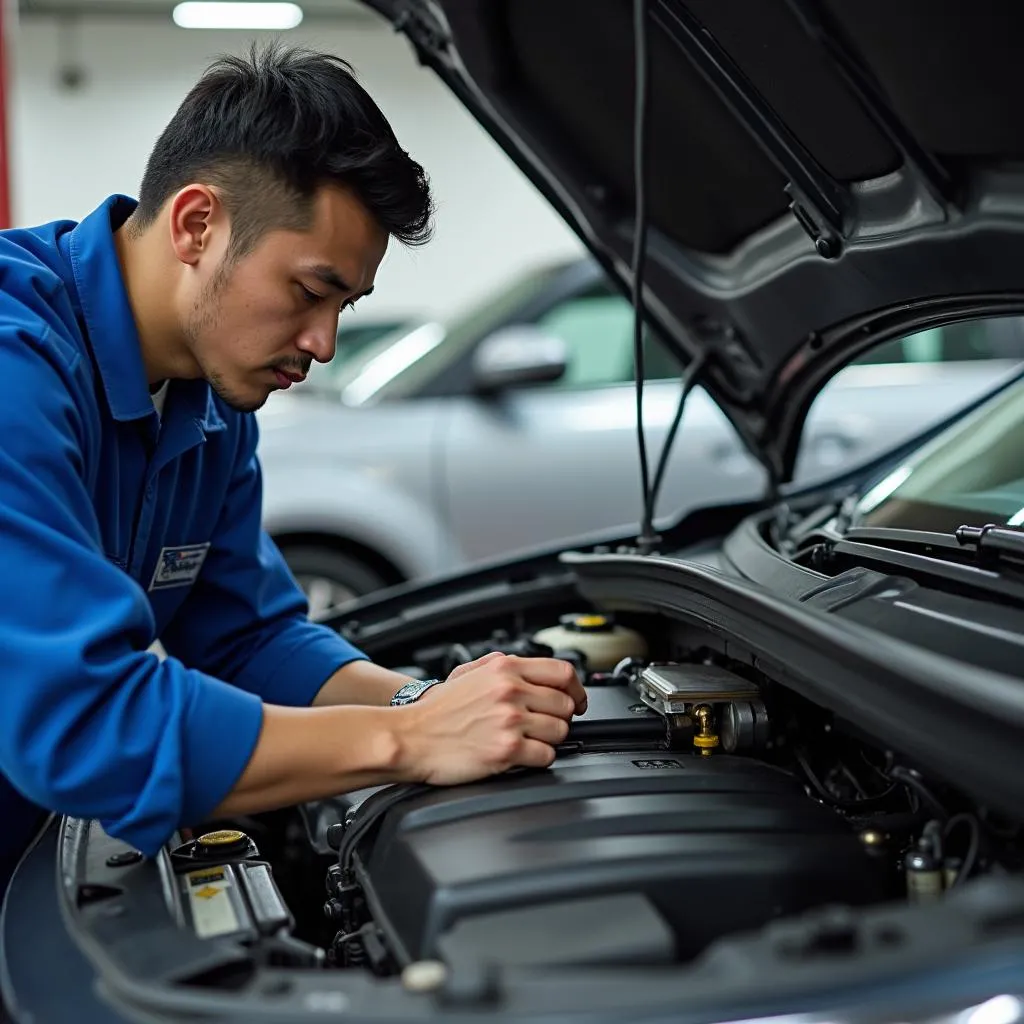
(197, 220)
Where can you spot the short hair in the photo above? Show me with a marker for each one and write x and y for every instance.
(269, 129)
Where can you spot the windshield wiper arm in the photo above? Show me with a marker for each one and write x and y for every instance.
(901, 539)
(992, 543)
(989, 544)
(975, 556)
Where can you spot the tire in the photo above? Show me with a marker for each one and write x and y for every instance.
(330, 578)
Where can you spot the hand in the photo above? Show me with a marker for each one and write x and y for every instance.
(576, 691)
(495, 713)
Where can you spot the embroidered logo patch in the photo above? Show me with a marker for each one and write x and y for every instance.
(178, 567)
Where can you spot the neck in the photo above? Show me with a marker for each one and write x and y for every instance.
(146, 276)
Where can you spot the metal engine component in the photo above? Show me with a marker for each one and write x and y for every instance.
(673, 689)
(744, 726)
(924, 873)
(923, 866)
(706, 738)
(680, 691)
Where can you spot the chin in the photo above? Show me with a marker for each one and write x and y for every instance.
(238, 398)
(250, 404)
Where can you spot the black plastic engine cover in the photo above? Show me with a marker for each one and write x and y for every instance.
(615, 720)
(715, 845)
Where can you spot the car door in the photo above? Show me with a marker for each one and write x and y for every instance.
(362, 480)
(541, 463)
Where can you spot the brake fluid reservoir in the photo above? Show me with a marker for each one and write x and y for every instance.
(597, 637)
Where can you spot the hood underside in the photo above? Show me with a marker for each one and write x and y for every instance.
(821, 174)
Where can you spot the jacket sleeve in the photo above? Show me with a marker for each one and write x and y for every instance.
(91, 724)
(246, 619)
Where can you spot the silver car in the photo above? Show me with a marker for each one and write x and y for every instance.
(514, 425)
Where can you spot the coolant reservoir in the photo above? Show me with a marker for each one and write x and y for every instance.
(597, 637)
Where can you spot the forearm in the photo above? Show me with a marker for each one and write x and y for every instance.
(311, 753)
(360, 682)
(492, 714)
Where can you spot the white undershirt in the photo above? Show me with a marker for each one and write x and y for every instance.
(159, 397)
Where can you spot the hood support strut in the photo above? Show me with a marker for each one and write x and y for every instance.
(823, 29)
(820, 204)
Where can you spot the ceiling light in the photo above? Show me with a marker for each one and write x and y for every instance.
(212, 14)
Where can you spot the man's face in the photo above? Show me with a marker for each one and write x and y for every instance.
(258, 323)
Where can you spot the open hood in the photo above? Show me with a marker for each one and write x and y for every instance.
(821, 174)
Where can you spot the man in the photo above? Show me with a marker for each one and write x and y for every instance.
(134, 348)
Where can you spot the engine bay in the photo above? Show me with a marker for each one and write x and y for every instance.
(608, 858)
(696, 799)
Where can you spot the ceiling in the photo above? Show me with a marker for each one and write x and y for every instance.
(349, 10)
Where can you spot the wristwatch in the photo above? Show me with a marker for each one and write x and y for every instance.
(413, 690)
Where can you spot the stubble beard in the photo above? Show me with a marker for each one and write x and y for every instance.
(203, 320)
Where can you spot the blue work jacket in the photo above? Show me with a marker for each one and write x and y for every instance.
(117, 528)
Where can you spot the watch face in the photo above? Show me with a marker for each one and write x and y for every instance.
(411, 691)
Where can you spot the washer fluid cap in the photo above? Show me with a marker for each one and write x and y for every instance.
(588, 623)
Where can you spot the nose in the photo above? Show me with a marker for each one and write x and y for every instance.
(320, 338)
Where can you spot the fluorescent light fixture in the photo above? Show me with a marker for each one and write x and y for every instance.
(214, 14)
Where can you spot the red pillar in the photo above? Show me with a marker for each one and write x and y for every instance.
(5, 176)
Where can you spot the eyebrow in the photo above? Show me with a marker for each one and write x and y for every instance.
(329, 276)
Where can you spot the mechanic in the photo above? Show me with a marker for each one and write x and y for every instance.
(135, 347)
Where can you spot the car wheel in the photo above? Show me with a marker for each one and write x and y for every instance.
(329, 578)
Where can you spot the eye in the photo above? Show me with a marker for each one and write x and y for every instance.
(347, 305)
(311, 297)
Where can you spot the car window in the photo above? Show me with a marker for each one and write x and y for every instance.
(971, 340)
(398, 365)
(597, 330)
(353, 342)
(904, 386)
(973, 474)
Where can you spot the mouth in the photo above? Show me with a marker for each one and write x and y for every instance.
(285, 379)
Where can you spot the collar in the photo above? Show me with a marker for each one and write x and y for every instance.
(112, 334)
(196, 397)
(103, 299)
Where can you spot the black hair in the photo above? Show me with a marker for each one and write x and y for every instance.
(272, 127)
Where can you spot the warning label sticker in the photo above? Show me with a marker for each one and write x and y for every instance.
(210, 900)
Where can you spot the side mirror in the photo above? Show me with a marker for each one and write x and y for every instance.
(518, 355)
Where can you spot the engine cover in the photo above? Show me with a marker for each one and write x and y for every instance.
(605, 857)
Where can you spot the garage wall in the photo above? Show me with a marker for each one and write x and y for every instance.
(74, 146)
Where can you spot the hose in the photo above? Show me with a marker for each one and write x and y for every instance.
(973, 845)
(911, 780)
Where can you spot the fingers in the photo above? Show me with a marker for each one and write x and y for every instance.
(545, 728)
(546, 701)
(469, 666)
(581, 701)
(543, 674)
(556, 674)
(498, 712)
(535, 754)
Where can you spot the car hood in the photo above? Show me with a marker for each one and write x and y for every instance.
(821, 175)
